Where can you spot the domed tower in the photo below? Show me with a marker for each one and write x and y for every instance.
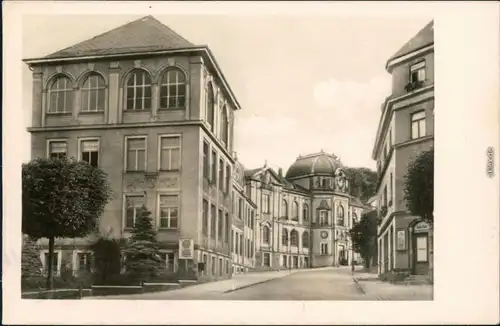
(319, 171)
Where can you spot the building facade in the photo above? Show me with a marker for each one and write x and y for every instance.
(406, 128)
(156, 114)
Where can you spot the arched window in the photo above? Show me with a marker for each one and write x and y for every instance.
(295, 211)
(340, 215)
(93, 93)
(294, 238)
(209, 103)
(284, 208)
(173, 89)
(224, 125)
(284, 237)
(265, 234)
(60, 95)
(138, 91)
(305, 239)
(354, 218)
(305, 212)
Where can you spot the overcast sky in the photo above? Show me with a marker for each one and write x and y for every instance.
(305, 83)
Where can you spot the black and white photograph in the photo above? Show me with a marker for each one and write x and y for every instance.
(258, 157)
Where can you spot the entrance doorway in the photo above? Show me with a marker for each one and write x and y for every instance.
(420, 254)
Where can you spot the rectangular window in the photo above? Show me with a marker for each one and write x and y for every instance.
(324, 248)
(136, 154)
(214, 266)
(58, 149)
(390, 187)
(266, 203)
(227, 266)
(220, 226)
(55, 257)
(248, 248)
(417, 72)
(89, 151)
(206, 164)
(214, 167)
(385, 195)
(252, 219)
(233, 242)
(133, 206)
(204, 227)
(84, 259)
(228, 178)
(227, 226)
(169, 211)
(169, 258)
(237, 243)
(170, 153)
(213, 220)
(242, 244)
(267, 260)
(284, 261)
(205, 263)
(221, 270)
(323, 218)
(221, 175)
(418, 125)
(240, 209)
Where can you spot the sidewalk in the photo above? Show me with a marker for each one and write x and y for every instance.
(375, 289)
(237, 282)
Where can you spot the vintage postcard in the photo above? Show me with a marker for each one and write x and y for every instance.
(263, 157)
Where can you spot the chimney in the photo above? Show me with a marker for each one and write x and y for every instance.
(280, 172)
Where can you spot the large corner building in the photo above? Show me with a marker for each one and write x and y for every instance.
(406, 128)
(156, 113)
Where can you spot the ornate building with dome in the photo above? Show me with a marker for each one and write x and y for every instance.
(304, 216)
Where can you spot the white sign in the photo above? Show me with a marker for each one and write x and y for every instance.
(186, 248)
(421, 227)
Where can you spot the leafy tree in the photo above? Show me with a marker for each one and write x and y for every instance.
(364, 236)
(31, 265)
(419, 186)
(62, 198)
(142, 259)
(362, 182)
(107, 258)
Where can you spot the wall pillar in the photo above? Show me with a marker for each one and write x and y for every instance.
(114, 94)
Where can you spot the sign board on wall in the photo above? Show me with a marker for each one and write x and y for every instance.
(401, 240)
(421, 227)
(186, 249)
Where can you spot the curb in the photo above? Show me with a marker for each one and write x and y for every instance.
(257, 283)
(358, 286)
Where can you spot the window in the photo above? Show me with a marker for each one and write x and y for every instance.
(324, 248)
(213, 219)
(252, 219)
(227, 226)
(417, 72)
(241, 244)
(418, 125)
(214, 167)
(305, 239)
(284, 208)
(93, 94)
(84, 260)
(385, 195)
(248, 248)
(228, 178)
(390, 188)
(227, 266)
(266, 203)
(221, 270)
(60, 96)
(284, 261)
(284, 237)
(221, 175)
(214, 266)
(294, 238)
(267, 260)
(354, 218)
(323, 218)
(295, 261)
(169, 261)
(170, 150)
(340, 215)
(265, 234)
(138, 91)
(295, 211)
(305, 212)
(234, 242)
(220, 226)
(58, 149)
(224, 125)
(210, 112)
(55, 260)
(169, 211)
(90, 151)
(206, 164)
(204, 227)
(205, 263)
(133, 206)
(173, 89)
(240, 208)
(136, 154)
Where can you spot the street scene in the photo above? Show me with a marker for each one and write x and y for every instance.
(296, 174)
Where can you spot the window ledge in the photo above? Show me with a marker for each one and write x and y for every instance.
(91, 112)
(59, 113)
(162, 228)
(136, 111)
(171, 109)
(169, 170)
(134, 171)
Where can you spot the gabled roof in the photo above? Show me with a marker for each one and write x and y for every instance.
(422, 39)
(144, 34)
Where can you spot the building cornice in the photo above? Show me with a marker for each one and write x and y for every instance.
(419, 52)
(385, 118)
(203, 50)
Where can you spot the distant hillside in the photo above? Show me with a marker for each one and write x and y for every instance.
(363, 182)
